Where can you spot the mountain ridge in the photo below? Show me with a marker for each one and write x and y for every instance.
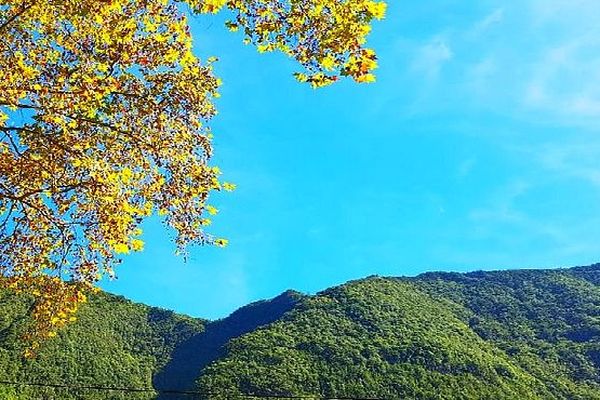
(531, 333)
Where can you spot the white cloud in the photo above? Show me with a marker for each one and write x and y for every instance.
(465, 167)
(572, 159)
(488, 22)
(564, 12)
(542, 65)
(501, 207)
(537, 61)
(503, 219)
(431, 57)
(481, 77)
(565, 79)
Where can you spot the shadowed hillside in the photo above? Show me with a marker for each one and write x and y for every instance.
(191, 356)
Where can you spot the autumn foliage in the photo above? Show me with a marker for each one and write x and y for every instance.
(103, 122)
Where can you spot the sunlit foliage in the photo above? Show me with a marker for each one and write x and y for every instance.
(103, 122)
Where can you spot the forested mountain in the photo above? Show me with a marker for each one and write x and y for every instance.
(114, 343)
(119, 344)
(526, 334)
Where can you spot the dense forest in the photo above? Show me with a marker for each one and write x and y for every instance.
(524, 334)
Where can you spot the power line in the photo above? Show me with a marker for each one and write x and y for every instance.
(173, 391)
(94, 387)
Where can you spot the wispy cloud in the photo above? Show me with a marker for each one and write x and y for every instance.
(507, 223)
(501, 208)
(571, 159)
(488, 22)
(465, 167)
(481, 78)
(566, 79)
(539, 60)
(431, 57)
(563, 77)
(563, 12)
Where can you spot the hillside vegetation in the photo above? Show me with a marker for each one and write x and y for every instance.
(114, 343)
(525, 334)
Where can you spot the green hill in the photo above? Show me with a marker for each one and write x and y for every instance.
(526, 334)
(114, 343)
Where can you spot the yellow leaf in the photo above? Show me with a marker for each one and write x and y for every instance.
(367, 78)
(229, 186)
(137, 245)
(121, 248)
(328, 63)
(221, 242)
(211, 210)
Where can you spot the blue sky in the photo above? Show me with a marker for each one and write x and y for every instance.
(477, 148)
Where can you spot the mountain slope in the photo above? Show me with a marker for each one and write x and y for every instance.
(198, 351)
(374, 338)
(120, 344)
(514, 334)
(115, 343)
(524, 334)
(547, 321)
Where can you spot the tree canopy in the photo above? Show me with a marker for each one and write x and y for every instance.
(104, 112)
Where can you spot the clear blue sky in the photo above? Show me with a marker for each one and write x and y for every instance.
(477, 148)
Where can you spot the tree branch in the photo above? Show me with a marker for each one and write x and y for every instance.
(5, 24)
